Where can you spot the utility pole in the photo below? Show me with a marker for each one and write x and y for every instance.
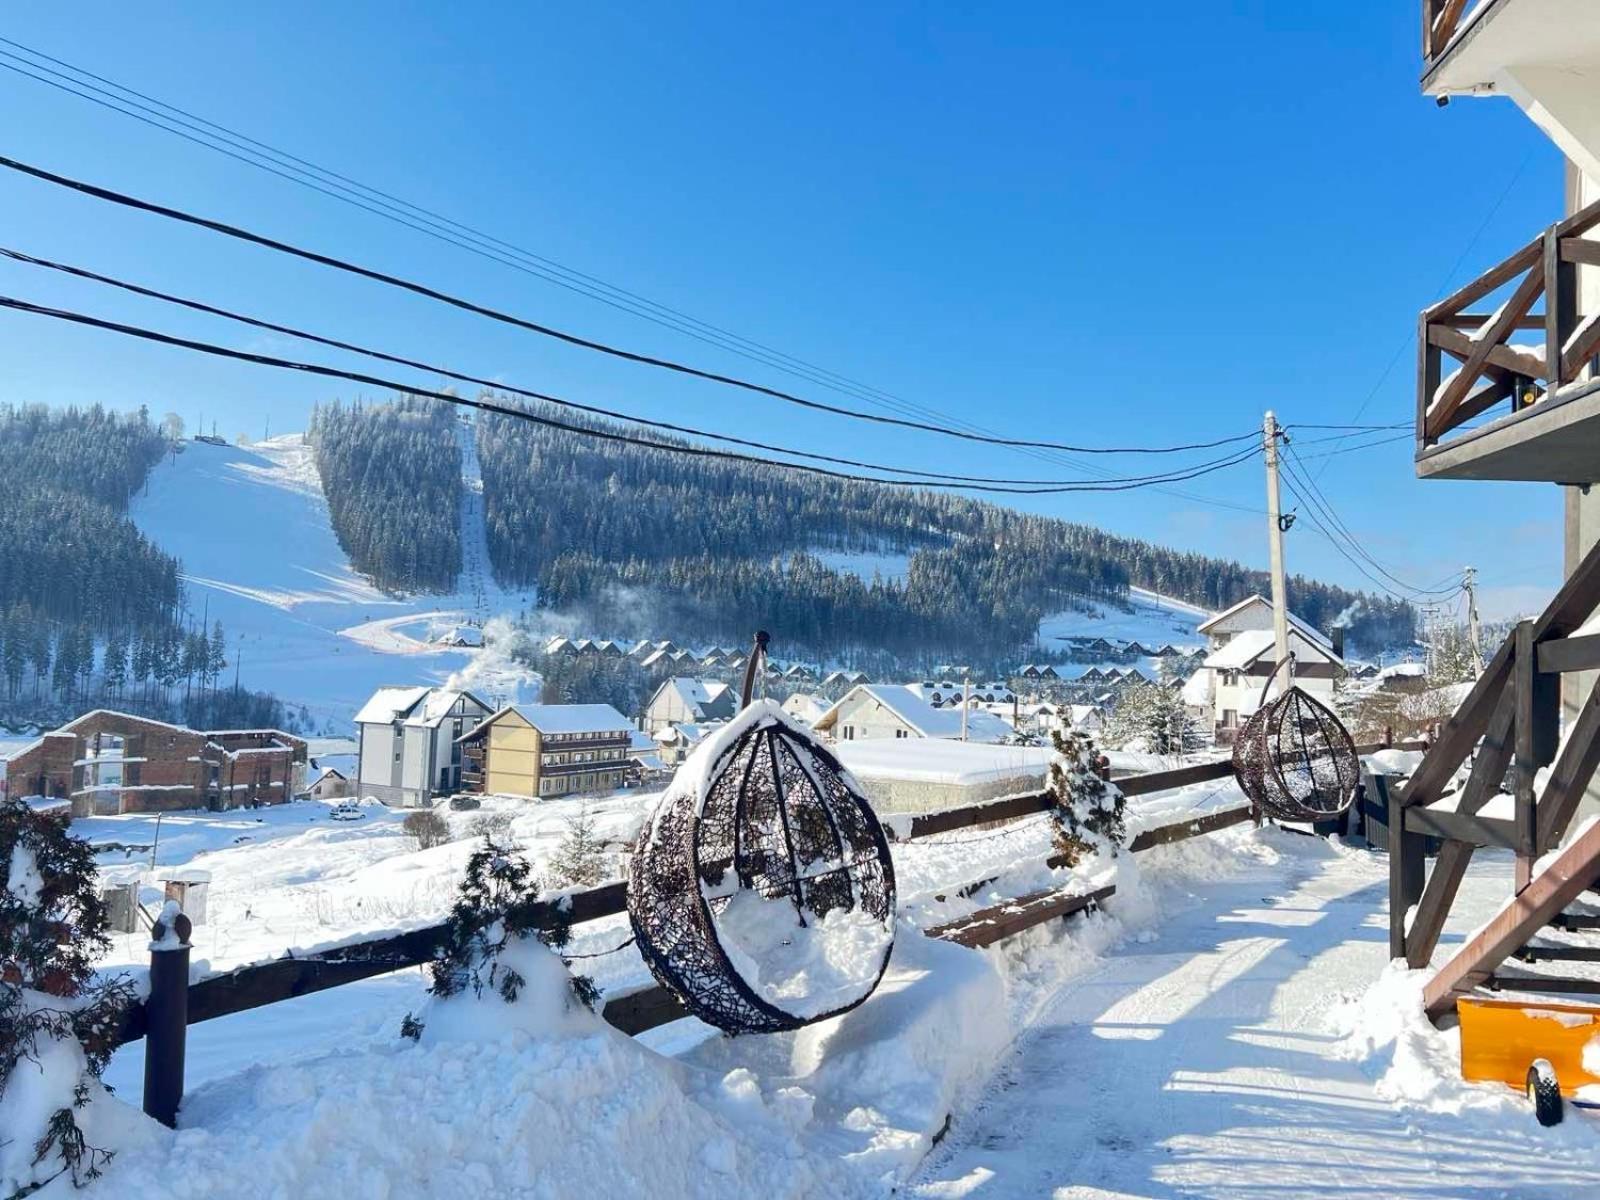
(1469, 584)
(966, 699)
(1280, 591)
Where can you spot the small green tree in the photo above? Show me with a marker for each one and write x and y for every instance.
(1089, 808)
(580, 860)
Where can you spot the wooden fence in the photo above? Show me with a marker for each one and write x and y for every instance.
(163, 1018)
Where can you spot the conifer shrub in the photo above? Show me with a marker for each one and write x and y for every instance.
(1088, 812)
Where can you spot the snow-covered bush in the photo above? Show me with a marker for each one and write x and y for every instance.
(427, 827)
(57, 1023)
(1089, 809)
(497, 935)
(492, 826)
(580, 860)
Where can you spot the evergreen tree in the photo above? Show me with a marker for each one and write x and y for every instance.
(1088, 813)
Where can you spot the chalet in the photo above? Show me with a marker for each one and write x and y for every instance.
(1251, 613)
(805, 708)
(657, 660)
(799, 674)
(837, 680)
(1239, 671)
(682, 699)
(609, 649)
(1098, 648)
(560, 645)
(332, 784)
(642, 650)
(469, 636)
(1139, 650)
(105, 763)
(1092, 675)
(586, 648)
(408, 747)
(888, 711)
(1085, 718)
(541, 750)
(675, 742)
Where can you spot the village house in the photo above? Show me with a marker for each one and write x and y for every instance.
(1239, 671)
(106, 763)
(407, 742)
(543, 750)
(683, 699)
(332, 784)
(870, 711)
(805, 708)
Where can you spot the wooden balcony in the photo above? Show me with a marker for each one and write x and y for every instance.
(1538, 367)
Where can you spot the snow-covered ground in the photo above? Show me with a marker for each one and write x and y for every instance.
(250, 526)
(1227, 1027)
(1152, 620)
(889, 565)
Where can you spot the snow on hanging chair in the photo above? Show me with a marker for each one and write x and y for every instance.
(761, 891)
(1302, 765)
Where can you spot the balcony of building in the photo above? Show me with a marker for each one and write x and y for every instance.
(1507, 378)
(1542, 54)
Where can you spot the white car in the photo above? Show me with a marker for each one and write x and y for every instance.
(346, 810)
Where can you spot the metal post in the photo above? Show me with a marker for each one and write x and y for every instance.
(167, 1017)
(1280, 598)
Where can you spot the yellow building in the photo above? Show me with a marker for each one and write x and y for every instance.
(543, 750)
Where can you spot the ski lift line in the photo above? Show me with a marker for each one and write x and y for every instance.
(124, 200)
(544, 267)
(208, 348)
(1325, 508)
(689, 430)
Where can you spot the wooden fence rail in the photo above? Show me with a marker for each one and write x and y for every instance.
(644, 1008)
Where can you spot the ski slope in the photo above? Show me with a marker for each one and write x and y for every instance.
(1153, 620)
(251, 529)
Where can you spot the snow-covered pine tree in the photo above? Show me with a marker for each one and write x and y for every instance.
(497, 911)
(57, 1022)
(580, 860)
(1089, 808)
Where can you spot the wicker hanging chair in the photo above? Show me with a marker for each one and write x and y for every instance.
(1296, 759)
(761, 891)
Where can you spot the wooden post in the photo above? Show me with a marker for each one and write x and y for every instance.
(1406, 863)
(1522, 678)
(167, 1015)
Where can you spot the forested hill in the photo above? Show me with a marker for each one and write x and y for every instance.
(646, 542)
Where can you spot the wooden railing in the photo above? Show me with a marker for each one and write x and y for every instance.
(163, 1018)
(1511, 718)
(1493, 368)
(1440, 20)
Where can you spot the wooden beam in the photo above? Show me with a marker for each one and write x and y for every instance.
(1461, 732)
(1581, 346)
(1474, 320)
(1462, 827)
(1162, 781)
(1580, 250)
(1561, 881)
(1561, 307)
(1570, 654)
(636, 1011)
(1407, 863)
(990, 925)
(1572, 771)
(1558, 953)
(1499, 386)
(1553, 984)
(1523, 678)
(1495, 277)
(1165, 835)
(1522, 362)
(1444, 24)
(1579, 222)
(1574, 602)
(1483, 344)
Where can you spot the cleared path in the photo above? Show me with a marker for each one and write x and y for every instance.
(1200, 1064)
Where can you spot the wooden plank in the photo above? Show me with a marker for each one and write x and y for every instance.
(1527, 982)
(1523, 677)
(1407, 865)
(1580, 653)
(1444, 881)
(1561, 881)
(1574, 602)
(1483, 344)
(1580, 250)
(1462, 827)
(1495, 277)
(1163, 781)
(1572, 771)
(1561, 307)
(1011, 808)
(1523, 362)
(1555, 953)
(1496, 389)
(1475, 320)
(1444, 25)
(636, 1011)
(1181, 830)
(1575, 922)
(990, 925)
(1581, 346)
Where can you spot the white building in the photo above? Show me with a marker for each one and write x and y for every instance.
(1239, 672)
(805, 708)
(891, 711)
(695, 701)
(407, 745)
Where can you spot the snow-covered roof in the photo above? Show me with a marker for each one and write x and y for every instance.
(1410, 670)
(942, 761)
(573, 718)
(1245, 648)
(923, 717)
(1309, 631)
(417, 707)
(1196, 690)
(706, 698)
(805, 707)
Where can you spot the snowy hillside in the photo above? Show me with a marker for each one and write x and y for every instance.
(251, 529)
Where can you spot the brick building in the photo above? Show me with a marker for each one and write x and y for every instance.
(107, 763)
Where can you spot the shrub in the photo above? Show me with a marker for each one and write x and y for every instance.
(580, 860)
(1089, 809)
(494, 826)
(427, 827)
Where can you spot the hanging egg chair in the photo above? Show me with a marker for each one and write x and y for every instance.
(761, 891)
(1294, 758)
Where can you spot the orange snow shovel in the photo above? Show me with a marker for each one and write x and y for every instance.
(1534, 1046)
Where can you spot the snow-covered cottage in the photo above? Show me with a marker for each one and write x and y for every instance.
(1239, 671)
(805, 708)
(870, 711)
(682, 699)
(536, 750)
(332, 784)
(408, 742)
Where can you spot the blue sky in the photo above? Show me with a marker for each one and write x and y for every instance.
(1084, 223)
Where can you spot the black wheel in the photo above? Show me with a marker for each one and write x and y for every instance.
(1544, 1092)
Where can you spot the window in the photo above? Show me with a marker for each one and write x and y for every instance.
(900, 733)
(848, 733)
(1230, 718)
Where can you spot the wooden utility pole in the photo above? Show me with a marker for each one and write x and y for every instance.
(1280, 596)
(1469, 584)
(966, 700)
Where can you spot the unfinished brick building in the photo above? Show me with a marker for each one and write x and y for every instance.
(107, 763)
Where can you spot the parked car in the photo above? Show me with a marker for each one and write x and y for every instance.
(346, 810)
(464, 803)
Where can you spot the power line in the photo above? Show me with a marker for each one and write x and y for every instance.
(233, 231)
(1373, 445)
(394, 208)
(168, 339)
(594, 410)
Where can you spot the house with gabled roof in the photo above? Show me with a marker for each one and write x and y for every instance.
(685, 700)
(891, 711)
(407, 742)
(543, 750)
